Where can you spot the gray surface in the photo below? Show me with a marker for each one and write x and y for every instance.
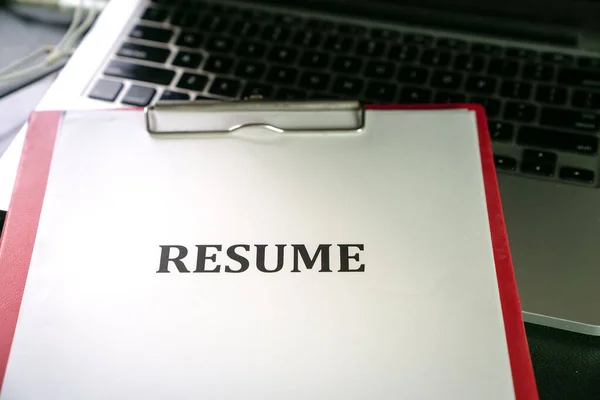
(22, 31)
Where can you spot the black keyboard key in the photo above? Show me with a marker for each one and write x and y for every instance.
(505, 163)
(225, 87)
(155, 14)
(589, 62)
(287, 19)
(275, 34)
(283, 75)
(386, 34)
(503, 67)
(416, 75)
(218, 64)
(579, 77)
(224, 9)
(418, 39)
(501, 131)
(537, 156)
(323, 96)
(139, 95)
(347, 87)
(290, 94)
(481, 84)
(255, 14)
(220, 44)
(538, 72)
(570, 119)
(347, 65)
(446, 80)
(172, 95)
(214, 24)
(585, 99)
(190, 39)
(518, 111)
(557, 140)
(454, 44)
(320, 24)
(517, 52)
(540, 169)
(250, 70)
(576, 175)
(250, 49)
(551, 94)
(435, 58)
(351, 29)
(315, 81)
(338, 43)
(381, 92)
(380, 69)
(257, 89)
(492, 106)
(485, 48)
(183, 19)
(371, 48)
(106, 90)
(122, 69)
(449, 97)
(245, 29)
(314, 59)
(307, 39)
(415, 95)
(161, 35)
(403, 53)
(283, 55)
(516, 90)
(558, 58)
(191, 81)
(188, 60)
(468, 62)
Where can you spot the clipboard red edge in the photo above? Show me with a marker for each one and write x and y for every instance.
(28, 196)
(20, 225)
(518, 348)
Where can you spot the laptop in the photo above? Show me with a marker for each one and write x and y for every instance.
(534, 65)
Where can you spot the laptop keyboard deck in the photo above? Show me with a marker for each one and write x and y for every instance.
(540, 105)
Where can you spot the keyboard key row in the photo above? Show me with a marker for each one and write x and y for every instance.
(238, 21)
(557, 140)
(108, 90)
(409, 75)
(545, 168)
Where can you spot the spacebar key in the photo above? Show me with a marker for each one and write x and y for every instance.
(557, 140)
(138, 72)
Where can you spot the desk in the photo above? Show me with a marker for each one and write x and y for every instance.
(567, 366)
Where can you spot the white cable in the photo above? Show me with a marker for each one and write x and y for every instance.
(18, 63)
(64, 48)
(81, 29)
(77, 14)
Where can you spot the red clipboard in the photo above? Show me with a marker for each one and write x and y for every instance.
(28, 195)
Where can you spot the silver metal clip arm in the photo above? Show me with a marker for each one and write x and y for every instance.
(225, 116)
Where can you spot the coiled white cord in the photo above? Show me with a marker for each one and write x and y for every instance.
(83, 18)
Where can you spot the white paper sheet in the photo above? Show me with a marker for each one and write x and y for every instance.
(423, 321)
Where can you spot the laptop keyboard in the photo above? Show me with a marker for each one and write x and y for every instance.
(541, 106)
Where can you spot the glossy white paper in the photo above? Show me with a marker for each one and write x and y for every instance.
(423, 321)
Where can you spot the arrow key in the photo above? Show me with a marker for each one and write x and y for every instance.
(576, 174)
(538, 168)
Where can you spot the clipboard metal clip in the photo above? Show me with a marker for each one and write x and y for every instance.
(281, 116)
